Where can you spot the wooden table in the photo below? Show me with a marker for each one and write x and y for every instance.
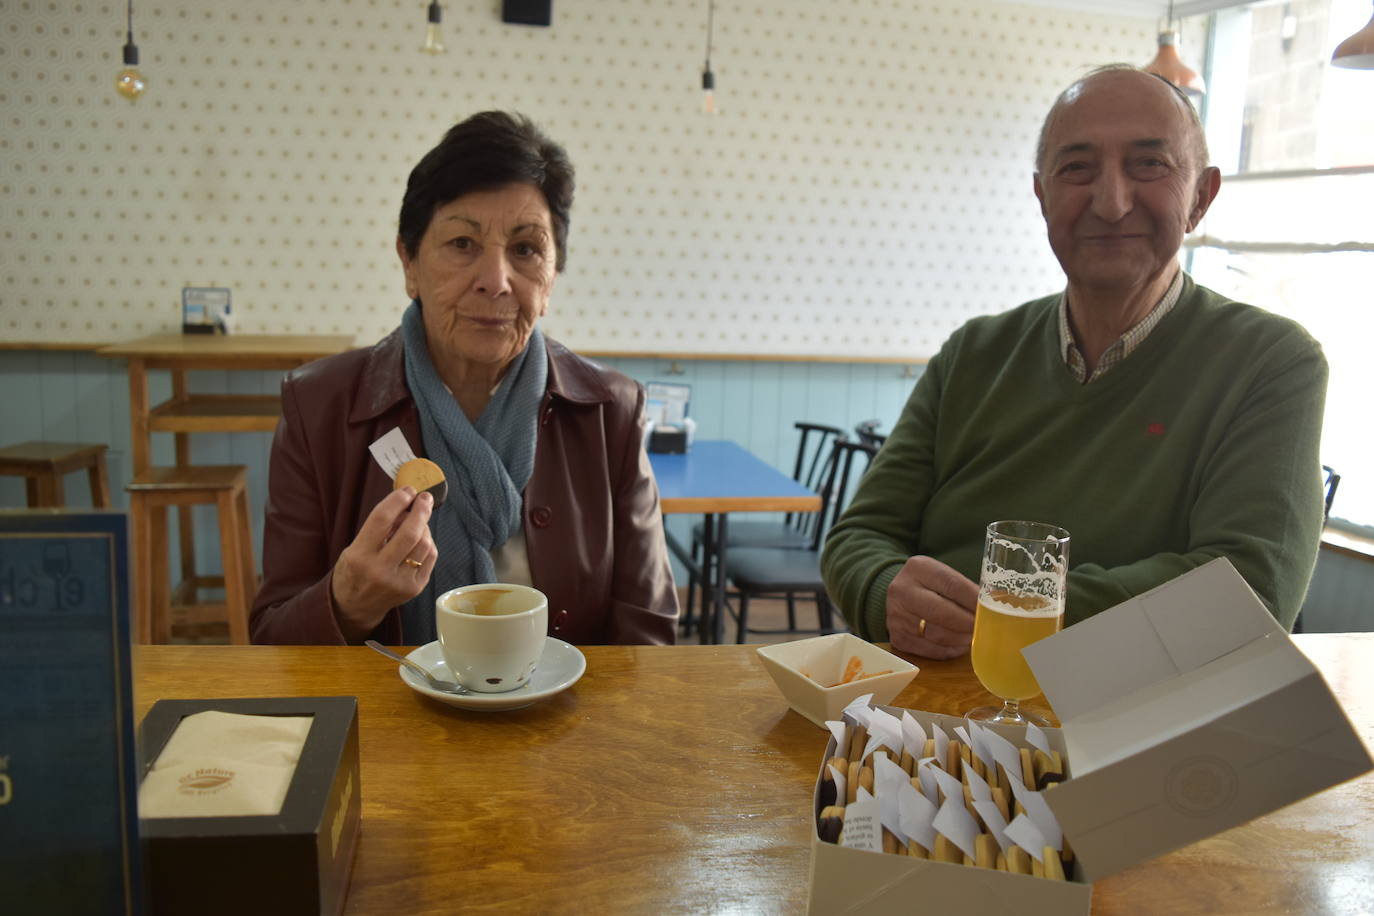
(196, 413)
(674, 779)
(713, 479)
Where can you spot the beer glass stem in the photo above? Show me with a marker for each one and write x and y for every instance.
(1011, 711)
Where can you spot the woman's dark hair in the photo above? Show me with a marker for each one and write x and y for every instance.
(488, 151)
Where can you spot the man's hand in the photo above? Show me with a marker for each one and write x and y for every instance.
(930, 608)
(387, 564)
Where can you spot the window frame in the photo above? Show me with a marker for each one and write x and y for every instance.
(1361, 529)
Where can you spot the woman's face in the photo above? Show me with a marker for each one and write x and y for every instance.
(483, 273)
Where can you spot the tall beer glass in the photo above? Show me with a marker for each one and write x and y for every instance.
(1020, 601)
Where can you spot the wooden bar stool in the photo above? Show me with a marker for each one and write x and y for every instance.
(44, 464)
(151, 494)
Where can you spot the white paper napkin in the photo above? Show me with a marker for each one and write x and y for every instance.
(219, 764)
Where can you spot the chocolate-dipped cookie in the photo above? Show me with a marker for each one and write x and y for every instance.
(424, 475)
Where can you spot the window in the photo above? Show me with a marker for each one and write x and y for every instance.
(1293, 228)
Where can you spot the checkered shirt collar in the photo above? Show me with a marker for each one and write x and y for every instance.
(1124, 345)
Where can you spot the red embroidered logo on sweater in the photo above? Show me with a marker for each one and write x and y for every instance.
(1154, 429)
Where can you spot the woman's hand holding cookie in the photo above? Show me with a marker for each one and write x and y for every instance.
(386, 565)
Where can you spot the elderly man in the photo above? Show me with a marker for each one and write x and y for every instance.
(1160, 423)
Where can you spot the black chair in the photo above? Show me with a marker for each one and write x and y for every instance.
(763, 572)
(1330, 481)
(796, 530)
(867, 431)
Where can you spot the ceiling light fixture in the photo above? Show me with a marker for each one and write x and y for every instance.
(708, 79)
(1357, 51)
(1168, 64)
(130, 83)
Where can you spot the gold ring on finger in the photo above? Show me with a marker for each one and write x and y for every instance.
(413, 564)
(921, 627)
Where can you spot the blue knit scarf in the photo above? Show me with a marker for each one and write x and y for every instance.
(487, 464)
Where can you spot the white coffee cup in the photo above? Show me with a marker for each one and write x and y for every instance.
(492, 635)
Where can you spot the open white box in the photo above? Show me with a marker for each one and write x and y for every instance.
(1186, 711)
(857, 881)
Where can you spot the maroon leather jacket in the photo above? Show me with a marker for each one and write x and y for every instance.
(592, 524)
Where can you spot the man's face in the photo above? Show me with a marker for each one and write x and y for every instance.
(1118, 187)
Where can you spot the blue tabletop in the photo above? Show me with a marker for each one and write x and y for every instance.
(724, 475)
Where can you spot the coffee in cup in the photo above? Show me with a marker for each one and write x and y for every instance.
(492, 635)
(487, 602)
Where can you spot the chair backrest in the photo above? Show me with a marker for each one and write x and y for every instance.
(843, 472)
(813, 463)
(867, 432)
(812, 451)
(1331, 481)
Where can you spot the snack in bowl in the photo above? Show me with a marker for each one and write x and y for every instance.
(819, 677)
(853, 671)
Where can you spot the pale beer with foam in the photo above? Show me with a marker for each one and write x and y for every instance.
(1020, 601)
(1005, 624)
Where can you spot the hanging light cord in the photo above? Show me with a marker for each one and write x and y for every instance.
(710, 18)
(131, 49)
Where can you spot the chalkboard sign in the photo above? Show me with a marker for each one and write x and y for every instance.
(68, 811)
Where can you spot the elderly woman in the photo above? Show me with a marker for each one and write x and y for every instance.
(548, 483)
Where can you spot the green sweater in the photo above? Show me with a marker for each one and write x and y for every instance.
(1202, 443)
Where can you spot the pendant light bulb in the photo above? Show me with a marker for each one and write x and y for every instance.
(434, 42)
(129, 82)
(708, 91)
(708, 79)
(1357, 51)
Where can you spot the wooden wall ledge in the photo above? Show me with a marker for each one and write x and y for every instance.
(51, 345)
(1359, 546)
(55, 345)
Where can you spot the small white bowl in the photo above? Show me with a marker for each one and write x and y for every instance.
(801, 668)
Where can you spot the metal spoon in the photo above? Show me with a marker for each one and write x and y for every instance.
(441, 686)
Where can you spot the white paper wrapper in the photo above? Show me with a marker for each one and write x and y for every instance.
(219, 764)
(862, 824)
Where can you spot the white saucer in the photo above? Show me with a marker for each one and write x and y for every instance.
(559, 668)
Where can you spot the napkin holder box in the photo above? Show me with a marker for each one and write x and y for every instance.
(1186, 711)
(668, 440)
(297, 861)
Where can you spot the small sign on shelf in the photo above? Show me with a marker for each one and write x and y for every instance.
(669, 429)
(205, 310)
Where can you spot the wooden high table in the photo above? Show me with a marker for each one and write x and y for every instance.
(186, 412)
(197, 413)
(674, 779)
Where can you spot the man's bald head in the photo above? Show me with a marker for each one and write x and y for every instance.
(1149, 82)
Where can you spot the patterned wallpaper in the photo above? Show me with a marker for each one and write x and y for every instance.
(864, 188)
